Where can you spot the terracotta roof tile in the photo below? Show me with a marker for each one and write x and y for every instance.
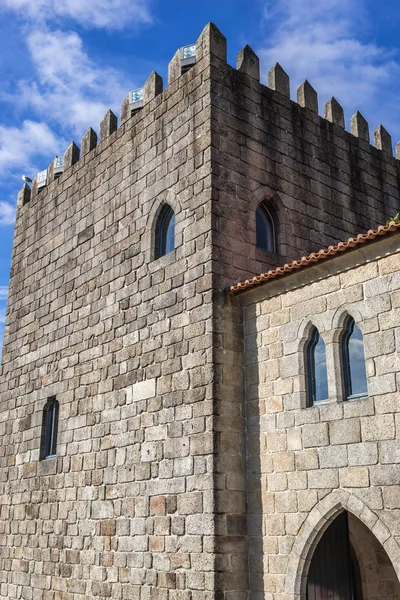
(315, 257)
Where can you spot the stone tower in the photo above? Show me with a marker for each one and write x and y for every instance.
(145, 496)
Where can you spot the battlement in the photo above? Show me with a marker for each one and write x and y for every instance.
(211, 47)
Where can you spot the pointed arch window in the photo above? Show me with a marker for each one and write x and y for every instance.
(265, 229)
(48, 444)
(165, 232)
(355, 376)
(317, 376)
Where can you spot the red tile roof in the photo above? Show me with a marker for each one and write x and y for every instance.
(315, 257)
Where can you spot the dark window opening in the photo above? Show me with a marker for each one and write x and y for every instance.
(317, 376)
(49, 429)
(265, 229)
(135, 111)
(185, 68)
(355, 376)
(165, 232)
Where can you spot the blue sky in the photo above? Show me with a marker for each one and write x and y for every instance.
(63, 64)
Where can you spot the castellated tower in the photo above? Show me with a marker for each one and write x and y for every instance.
(137, 351)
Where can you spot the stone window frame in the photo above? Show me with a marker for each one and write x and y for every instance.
(164, 222)
(271, 200)
(304, 333)
(347, 332)
(338, 374)
(149, 241)
(331, 331)
(270, 219)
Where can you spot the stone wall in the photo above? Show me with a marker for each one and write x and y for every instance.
(306, 464)
(124, 342)
(147, 495)
(322, 183)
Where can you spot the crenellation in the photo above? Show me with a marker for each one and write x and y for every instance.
(24, 195)
(71, 155)
(359, 127)
(248, 62)
(334, 112)
(307, 97)
(88, 143)
(107, 126)
(211, 44)
(383, 140)
(278, 80)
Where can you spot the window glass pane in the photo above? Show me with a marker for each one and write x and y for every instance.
(165, 232)
(317, 381)
(264, 230)
(170, 235)
(356, 358)
(321, 375)
(49, 430)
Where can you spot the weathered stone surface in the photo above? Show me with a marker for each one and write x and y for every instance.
(166, 481)
(382, 140)
(359, 126)
(278, 80)
(307, 96)
(248, 62)
(334, 112)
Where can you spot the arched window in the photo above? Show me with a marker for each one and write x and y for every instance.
(317, 376)
(165, 232)
(355, 377)
(265, 229)
(49, 429)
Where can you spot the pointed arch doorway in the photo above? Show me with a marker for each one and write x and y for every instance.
(334, 573)
(349, 563)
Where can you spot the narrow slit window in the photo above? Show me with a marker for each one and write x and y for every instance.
(165, 232)
(49, 429)
(265, 229)
(317, 376)
(355, 376)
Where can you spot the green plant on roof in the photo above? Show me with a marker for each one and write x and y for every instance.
(396, 219)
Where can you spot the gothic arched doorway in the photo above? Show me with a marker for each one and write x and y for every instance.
(334, 570)
(350, 564)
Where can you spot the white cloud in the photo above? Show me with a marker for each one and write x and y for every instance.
(19, 145)
(3, 292)
(112, 14)
(69, 89)
(7, 217)
(317, 41)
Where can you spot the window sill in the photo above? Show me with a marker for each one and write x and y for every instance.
(356, 397)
